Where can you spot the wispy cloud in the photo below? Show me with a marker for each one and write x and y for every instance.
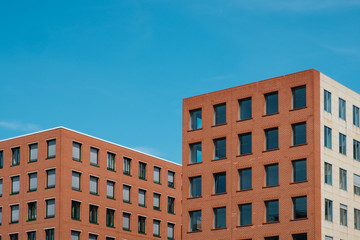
(148, 150)
(15, 125)
(349, 51)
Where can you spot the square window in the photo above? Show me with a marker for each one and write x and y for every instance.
(76, 180)
(75, 235)
(156, 201)
(272, 175)
(245, 143)
(171, 205)
(111, 161)
(75, 210)
(328, 210)
(195, 119)
(49, 234)
(142, 198)
(31, 211)
(127, 166)
(14, 236)
(356, 184)
(245, 179)
(343, 179)
(220, 114)
(110, 189)
(299, 133)
(141, 224)
(195, 186)
(126, 193)
(343, 215)
(15, 156)
(300, 236)
(14, 213)
(51, 148)
(94, 185)
(32, 182)
(15, 185)
(245, 111)
(327, 101)
(195, 152)
(342, 109)
(342, 143)
(271, 139)
(110, 216)
(328, 173)
(299, 170)
(220, 217)
(33, 152)
(195, 221)
(156, 228)
(170, 231)
(94, 156)
(157, 175)
(76, 151)
(327, 137)
(356, 150)
(50, 208)
(299, 97)
(31, 235)
(220, 182)
(50, 178)
(126, 221)
(299, 207)
(219, 148)
(245, 213)
(271, 103)
(171, 176)
(272, 211)
(93, 214)
(142, 170)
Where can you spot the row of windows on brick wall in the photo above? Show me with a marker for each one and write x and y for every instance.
(343, 214)
(342, 108)
(245, 107)
(245, 178)
(245, 214)
(342, 178)
(50, 235)
(245, 142)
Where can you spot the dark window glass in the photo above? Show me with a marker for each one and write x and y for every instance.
(301, 236)
(272, 211)
(141, 224)
(14, 236)
(271, 138)
(220, 113)
(357, 219)
(15, 156)
(127, 166)
(31, 211)
(327, 137)
(195, 152)
(49, 234)
(299, 97)
(220, 148)
(271, 175)
(328, 210)
(110, 215)
(195, 221)
(111, 161)
(93, 212)
(342, 109)
(51, 148)
(272, 238)
(245, 213)
(271, 103)
(342, 143)
(299, 170)
(327, 101)
(220, 217)
(343, 179)
(30, 235)
(328, 173)
(356, 119)
(1, 159)
(195, 119)
(299, 133)
(75, 210)
(220, 182)
(245, 181)
(356, 149)
(171, 180)
(299, 207)
(142, 170)
(171, 205)
(245, 143)
(195, 186)
(245, 108)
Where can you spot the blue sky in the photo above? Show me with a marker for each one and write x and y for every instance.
(119, 69)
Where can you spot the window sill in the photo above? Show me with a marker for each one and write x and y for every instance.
(144, 206)
(112, 198)
(244, 155)
(110, 169)
(127, 202)
(127, 174)
(32, 161)
(76, 189)
(216, 229)
(171, 186)
(13, 222)
(272, 186)
(299, 145)
(75, 219)
(189, 164)
(195, 231)
(33, 190)
(14, 165)
(50, 157)
(193, 130)
(142, 233)
(295, 109)
(194, 197)
(271, 222)
(126, 229)
(271, 150)
(270, 114)
(49, 217)
(217, 194)
(158, 183)
(76, 160)
(157, 209)
(217, 125)
(49, 187)
(11, 194)
(247, 225)
(31, 220)
(299, 182)
(95, 194)
(94, 165)
(94, 223)
(298, 219)
(242, 120)
(110, 226)
(218, 159)
(157, 236)
(244, 190)
(144, 179)
(171, 213)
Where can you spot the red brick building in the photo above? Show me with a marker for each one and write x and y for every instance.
(62, 184)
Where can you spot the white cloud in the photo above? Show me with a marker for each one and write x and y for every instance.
(148, 150)
(15, 125)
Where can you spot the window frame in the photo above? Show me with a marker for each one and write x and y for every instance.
(75, 210)
(268, 102)
(327, 101)
(32, 189)
(48, 142)
(31, 160)
(217, 114)
(127, 166)
(295, 134)
(241, 114)
(194, 118)
(242, 149)
(295, 207)
(342, 109)
(93, 213)
(243, 222)
(194, 149)
(32, 210)
(218, 149)
(218, 221)
(47, 202)
(267, 140)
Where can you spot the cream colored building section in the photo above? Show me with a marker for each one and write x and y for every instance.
(332, 156)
